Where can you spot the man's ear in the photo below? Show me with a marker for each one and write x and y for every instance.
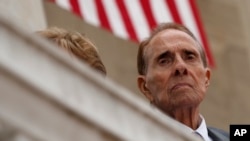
(141, 82)
(208, 75)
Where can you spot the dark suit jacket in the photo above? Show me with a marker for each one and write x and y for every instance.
(217, 134)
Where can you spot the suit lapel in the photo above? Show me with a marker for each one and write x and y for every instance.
(216, 135)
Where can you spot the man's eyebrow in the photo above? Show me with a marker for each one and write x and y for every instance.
(190, 51)
(164, 54)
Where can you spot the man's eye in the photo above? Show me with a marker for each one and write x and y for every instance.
(164, 61)
(190, 56)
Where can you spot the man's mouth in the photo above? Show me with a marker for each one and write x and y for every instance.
(180, 85)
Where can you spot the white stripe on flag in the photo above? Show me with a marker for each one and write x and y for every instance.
(160, 11)
(115, 19)
(138, 18)
(64, 4)
(89, 11)
(186, 15)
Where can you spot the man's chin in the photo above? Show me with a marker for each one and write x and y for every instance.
(186, 100)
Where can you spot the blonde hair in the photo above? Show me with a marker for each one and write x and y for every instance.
(77, 44)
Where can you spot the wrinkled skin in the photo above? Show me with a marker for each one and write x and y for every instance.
(176, 80)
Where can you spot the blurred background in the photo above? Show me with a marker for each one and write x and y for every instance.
(225, 24)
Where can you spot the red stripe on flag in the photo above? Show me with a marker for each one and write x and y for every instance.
(148, 13)
(126, 19)
(75, 7)
(202, 32)
(102, 15)
(174, 12)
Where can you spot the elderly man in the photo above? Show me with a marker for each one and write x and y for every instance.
(174, 76)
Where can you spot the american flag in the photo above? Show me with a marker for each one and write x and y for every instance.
(134, 19)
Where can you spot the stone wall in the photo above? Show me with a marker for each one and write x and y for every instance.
(28, 14)
(227, 100)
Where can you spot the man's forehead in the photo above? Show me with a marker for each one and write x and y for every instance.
(171, 34)
(169, 37)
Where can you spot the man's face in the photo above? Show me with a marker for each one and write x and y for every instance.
(175, 76)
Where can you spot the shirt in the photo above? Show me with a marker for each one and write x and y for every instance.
(201, 130)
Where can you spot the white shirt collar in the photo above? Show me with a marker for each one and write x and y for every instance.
(202, 130)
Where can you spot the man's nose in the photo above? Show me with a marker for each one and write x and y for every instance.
(180, 67)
